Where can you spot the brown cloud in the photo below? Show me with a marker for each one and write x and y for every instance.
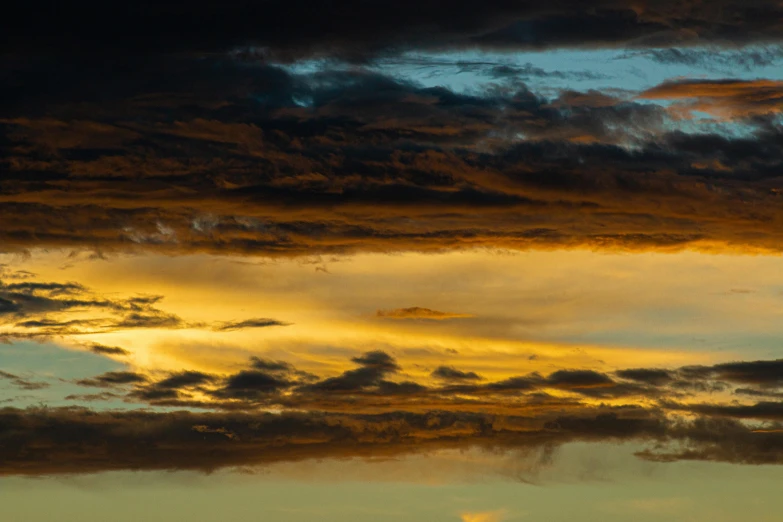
(73, 440)
(23, 383)
(41, 309)
(726, 99)
(417, 312)
(372, 163)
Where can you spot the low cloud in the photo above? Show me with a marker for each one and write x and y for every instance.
(76, 441)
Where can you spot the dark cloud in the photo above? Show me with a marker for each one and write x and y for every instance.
(716, 59)
(761, 373)
(42, 306)
(755, 392)
(358, 29)
(529, 382)
(268, 365)
(417, 312)
(765, 373)
(150, 320)
(651, 376)
(374, 367)
(185, 379)
(39, 310)
(260, 160)
(23, 383)
(111, 379)
(574, 379)
(765, 410)
(726, 98)
(449, 373)
(251, 384)
(93, 397)
(31, 287)
(375, 387)
(84, 441)
(249, 323)
(108, 350)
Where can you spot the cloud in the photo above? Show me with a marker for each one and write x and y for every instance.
(248, 323)
(296, 29)
(379, 384)
(108, 350)
(655, 377)
(763, 373)
(250, 384)
(43, 306)
(22, 383)
(449, 373)
(36, 309)
(723, 98)
(373, 163)
(112, 379)
(373, 368)
(716, 59)
(93, 397)
(84, 441)
(417, 312)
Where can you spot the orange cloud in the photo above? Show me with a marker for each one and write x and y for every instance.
(726, 99)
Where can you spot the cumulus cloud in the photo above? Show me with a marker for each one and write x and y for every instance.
(449, 373)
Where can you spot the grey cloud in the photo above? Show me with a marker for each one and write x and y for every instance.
(111, 379)
(449, 373)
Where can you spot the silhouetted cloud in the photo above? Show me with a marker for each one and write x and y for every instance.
(374, 366)
(110, 379)
(417, 312)
(762, 373)
(248, 323)
(352, 160)
(449, 373)
(84, 441)
(23, 383)
(108, 350)
(295, 29)
(652, 376)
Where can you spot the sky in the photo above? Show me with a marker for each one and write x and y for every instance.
(294, 261)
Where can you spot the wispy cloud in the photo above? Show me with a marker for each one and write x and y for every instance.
(417, 312)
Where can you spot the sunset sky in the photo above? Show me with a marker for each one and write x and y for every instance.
(348, 261)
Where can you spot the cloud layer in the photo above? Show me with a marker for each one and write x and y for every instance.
(359, 29)
(171, 156)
